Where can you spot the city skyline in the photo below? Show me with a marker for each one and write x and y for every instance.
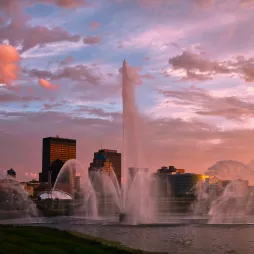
(194, 79)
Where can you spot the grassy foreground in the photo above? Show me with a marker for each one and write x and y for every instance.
(31, 240)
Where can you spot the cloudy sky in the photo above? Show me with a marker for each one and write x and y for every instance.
(59, 75)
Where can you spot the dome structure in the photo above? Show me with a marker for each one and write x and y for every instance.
(54, 194)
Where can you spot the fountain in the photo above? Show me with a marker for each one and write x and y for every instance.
(228, 199)
(138, 190)
(135, 199)
(224, 197)
(83, 191)
(14, 201)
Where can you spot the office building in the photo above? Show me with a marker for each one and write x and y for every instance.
(106, 160)
(163, 175)
(55, 152)
(177, 183)
(183, 185)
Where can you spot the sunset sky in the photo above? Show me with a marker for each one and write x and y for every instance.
(59, 75)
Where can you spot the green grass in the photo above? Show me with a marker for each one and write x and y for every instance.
(43, 240)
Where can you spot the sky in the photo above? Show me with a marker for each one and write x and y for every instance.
(60, 75)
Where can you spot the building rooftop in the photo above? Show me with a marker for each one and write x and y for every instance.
(11, 172)
(62, 139)
(107, 150)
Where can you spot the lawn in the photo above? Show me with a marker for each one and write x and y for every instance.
(43, 240)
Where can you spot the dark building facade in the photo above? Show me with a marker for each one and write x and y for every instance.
(55, 152)
(176, 190)
(183, 185)
(107, 159)
(11, 173)
(177, 183)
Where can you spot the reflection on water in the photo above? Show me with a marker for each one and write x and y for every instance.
(174, 238)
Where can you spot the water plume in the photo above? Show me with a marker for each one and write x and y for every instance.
(227, 197)
(137, 193)
(15, 202)
(79, 187)
(135, 196)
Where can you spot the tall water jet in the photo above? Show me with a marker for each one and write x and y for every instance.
(130, 150)
(137, 194)
(135, 198)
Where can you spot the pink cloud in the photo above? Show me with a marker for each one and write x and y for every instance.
(148, 76)
(94, 25)
(33, 36)
(66, 61)
(10, 5)
(18, 33)
(46, 84)
(199, 68)
(192, 61)
(245, 66)
(67, 3)
(91, 74)
(10, 98)
(192, 76)
(92, 40)
(61, 3)
(9, 59)
(204, 3)
(147, 3)
(231, 107)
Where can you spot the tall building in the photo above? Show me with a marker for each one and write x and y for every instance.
(176, 182)
(55, 152)
(107, 159)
